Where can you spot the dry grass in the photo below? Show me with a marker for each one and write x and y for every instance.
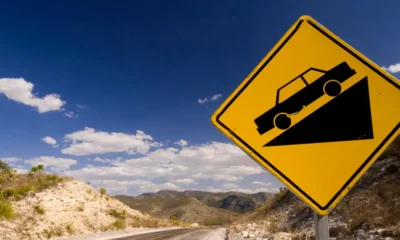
(6, 210)
(102, 191)
(15, 186)
(69, 229)
(53, 231)
(273, 226)
(39, 209)
(119, 224)
(374, 202)
(81, 207)
(149, 223)
(117, 214)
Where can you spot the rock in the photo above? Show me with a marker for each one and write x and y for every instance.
(245, 234)
(194, 225)
(267, 236)
(252, 235)
(380, 231)
(365, 226)
(389, 238)
(282, 236)
(361, 234)
(391, 169)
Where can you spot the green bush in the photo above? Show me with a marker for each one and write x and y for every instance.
(54, 231)
(103, 191)
(47, 233)
(117, 214)
(4, 167)
(21, 191)
(119, 224)
(6, 210)
(69, 229)
(273, 226)
(214, 221)
(15, 187)
(39, 209)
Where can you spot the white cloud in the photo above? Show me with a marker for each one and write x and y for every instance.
(105, 160)
(212, 189)
(215, 97)
(243, 190)
(262, 183)
(181, 143)
(214, 161)
(184, 181)
(395, 68)
(89, 141)
(202, 101)
(243, 170)
(19, 90)
(21, 170)
(80, 106)
(71, 114)
(141, 186)
(225, 177)
(229, 186)
(270, 190)
(11, 159)
(49, 140)
(57, 164)
(212, 164)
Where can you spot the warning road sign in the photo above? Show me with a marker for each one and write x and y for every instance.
(315, 112)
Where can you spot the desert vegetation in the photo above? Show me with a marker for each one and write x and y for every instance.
(15, 186)
(372, 204)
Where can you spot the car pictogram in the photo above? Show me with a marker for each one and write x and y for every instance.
(329, 84)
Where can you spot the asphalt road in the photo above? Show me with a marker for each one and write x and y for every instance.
(176, 234)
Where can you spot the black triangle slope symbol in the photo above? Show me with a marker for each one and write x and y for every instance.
(346, 117)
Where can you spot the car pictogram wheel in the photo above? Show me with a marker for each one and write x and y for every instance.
(332, 88)
(282, 121)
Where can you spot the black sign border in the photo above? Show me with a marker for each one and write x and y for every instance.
(265, 160)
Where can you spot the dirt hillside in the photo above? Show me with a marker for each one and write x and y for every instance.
(371, 210)
(70, 207)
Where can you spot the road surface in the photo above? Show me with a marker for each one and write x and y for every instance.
(178, 234)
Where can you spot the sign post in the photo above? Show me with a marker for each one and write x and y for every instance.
(313, 97)
(321, 227)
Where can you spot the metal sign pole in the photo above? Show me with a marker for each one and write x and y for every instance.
(321, 227)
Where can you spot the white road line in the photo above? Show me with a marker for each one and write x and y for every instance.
(209, 235)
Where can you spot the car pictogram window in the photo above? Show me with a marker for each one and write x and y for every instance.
(304, 78)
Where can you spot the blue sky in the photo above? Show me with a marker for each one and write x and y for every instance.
(110, 70)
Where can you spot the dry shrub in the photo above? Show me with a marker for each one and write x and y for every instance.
(6, 210)
(149, 223)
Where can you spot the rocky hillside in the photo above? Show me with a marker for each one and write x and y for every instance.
(370, 211)
(42, 206)
(184, 209)
(234, 201)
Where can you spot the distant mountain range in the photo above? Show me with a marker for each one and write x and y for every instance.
(196, 206)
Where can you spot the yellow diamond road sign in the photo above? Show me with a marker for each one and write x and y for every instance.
(315, 112)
